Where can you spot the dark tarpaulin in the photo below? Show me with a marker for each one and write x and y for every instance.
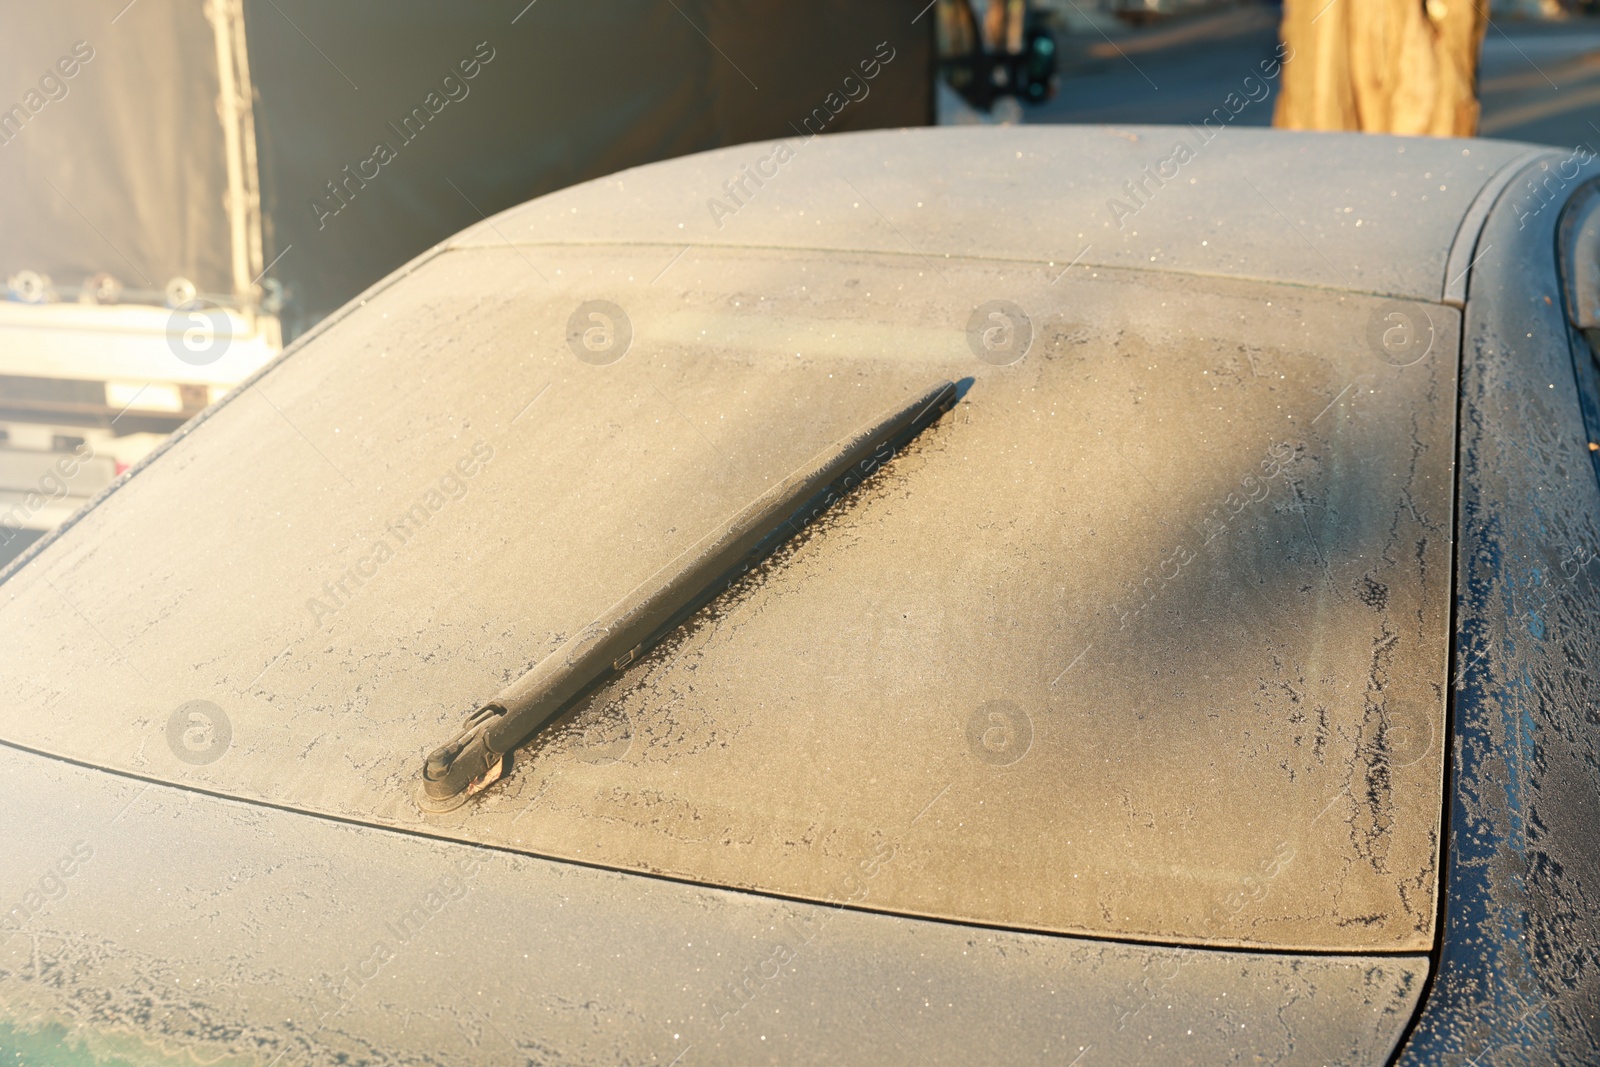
(119, 167)
(561, 93)
(124, 171)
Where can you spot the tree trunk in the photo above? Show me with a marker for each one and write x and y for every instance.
(1384, 66)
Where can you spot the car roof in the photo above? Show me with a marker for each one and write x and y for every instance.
(1362, 212)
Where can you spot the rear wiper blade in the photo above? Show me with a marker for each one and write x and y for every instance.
(475, 757)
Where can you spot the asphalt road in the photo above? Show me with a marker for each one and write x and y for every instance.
(1538, 82)
(1173, 72)
(1541, 82)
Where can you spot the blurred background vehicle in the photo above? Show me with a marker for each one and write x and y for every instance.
(186, 185)
(88, 388)
(131, 242)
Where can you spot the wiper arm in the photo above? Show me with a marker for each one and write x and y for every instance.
(475, 757)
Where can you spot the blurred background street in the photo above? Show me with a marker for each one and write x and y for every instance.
(1539, 78)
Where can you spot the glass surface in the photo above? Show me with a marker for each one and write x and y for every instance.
(1145, 638)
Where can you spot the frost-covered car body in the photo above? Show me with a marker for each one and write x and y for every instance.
(1209, 682)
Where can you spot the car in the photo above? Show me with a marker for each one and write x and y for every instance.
(995, 595)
